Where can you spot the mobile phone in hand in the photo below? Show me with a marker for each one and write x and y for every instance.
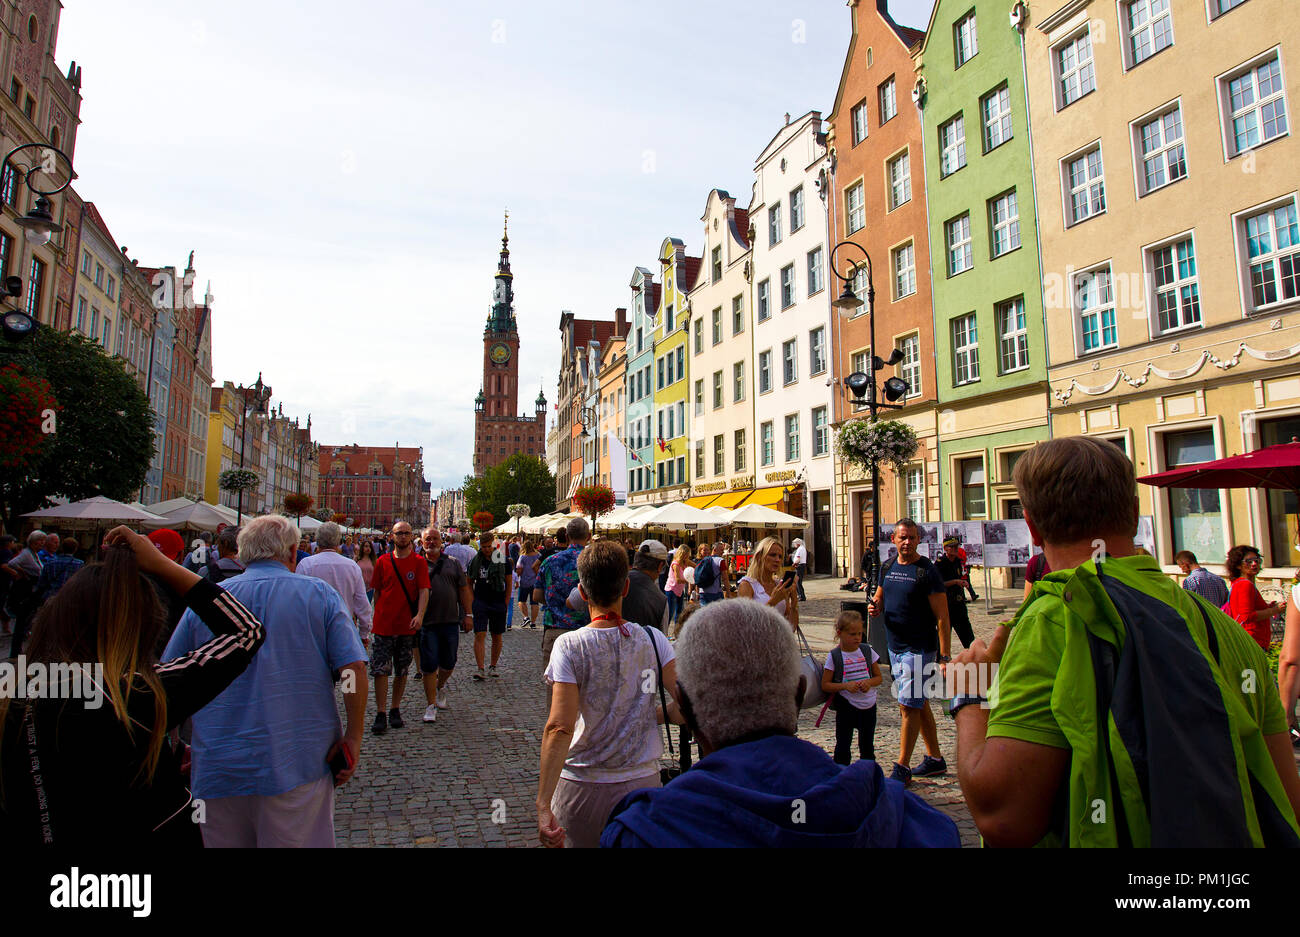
(788, 578)
(343, 760)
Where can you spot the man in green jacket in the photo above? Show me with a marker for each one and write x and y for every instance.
(1124, 711)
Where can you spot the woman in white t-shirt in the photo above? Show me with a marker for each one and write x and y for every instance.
(602, 736)
(762, 584)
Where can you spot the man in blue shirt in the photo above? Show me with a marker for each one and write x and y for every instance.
(1200, 580)
(912, 597)
(262, 748)
(556, 578)
(58, 570)
(51, 548)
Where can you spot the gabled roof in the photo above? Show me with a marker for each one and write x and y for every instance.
(908, 36)
(740, 227)
(98, 221)
(357, 459)
(789, 130)
(690, 273)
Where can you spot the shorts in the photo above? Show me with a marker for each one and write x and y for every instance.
(489, 618)
(526, 595)
(439, 647)
(389, 652)
(550, 635)
(582, 808)
(916, 677)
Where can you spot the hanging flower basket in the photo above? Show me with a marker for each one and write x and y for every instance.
(299, 504)
(594, 500)
(519, 510)
(863, 444)
(25, 402)
(484, 520)
(238, 480)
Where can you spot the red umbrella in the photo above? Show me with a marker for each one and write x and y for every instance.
(1274, 467)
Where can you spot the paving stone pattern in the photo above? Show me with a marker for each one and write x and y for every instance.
(470, 779)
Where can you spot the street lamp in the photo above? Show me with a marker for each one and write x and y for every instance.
(587, 417)
(863, 385)
(39, 227)
(261, 394)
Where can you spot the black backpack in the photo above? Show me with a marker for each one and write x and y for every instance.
(706, 574)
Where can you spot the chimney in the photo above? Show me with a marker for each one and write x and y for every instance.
(620, 322)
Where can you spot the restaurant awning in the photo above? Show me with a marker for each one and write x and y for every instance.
(731, 498)
(703, 501)
(767, 497)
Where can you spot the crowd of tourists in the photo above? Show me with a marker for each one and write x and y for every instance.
(225, 666)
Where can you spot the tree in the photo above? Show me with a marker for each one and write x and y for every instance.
(103, 433)
(532, 484)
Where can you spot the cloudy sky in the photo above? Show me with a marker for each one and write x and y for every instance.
(341, 170)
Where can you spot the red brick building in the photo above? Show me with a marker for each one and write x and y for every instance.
(374, 485)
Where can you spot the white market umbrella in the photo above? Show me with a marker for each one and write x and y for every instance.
(229, 515)
(558, 521)
(723, 514)
(96, 509)
(195, 515)
(622, 516)
(309, 524)
(757, 515)
(677, 516)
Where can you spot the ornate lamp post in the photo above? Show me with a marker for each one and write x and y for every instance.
(864, 385)
(39, 226)
(252, 399)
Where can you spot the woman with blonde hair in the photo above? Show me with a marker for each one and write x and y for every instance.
(762, 584)
(676, 586)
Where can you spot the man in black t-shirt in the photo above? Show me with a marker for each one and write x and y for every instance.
(914, 602)
(953, 574)
(491, 576)
(446, 615)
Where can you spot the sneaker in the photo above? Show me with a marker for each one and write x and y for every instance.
(381, 724)
(478, 674)
(930, 767)
(395, 719)
(492, 671)
(442, 699)
(431, 714)
(901, 774)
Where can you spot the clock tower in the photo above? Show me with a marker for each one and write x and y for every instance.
(499, 429)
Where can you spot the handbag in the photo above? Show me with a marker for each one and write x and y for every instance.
(811, 668)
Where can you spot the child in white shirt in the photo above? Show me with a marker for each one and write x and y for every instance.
(855, 693)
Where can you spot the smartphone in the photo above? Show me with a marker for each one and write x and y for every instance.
(788, 577)
(342, 761)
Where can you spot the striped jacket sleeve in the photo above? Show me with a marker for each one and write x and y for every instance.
(197, 678)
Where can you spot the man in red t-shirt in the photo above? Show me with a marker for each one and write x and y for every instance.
(401, 584)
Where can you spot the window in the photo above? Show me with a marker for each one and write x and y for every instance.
(1095, 302)
(774, 226)
(1077, 74)
(796, 209)
(996, 108)
(699, 397)
(789, 362)
(737, 315)
(738, 381)
(764, 300)
(719, 455)
(965, 349)
(904, 259)
(94, 322)
(659, 372)
(99, 275)
(817, 350)
(792, 437)
(9, 188)
(670, 321)
(81, 314)
(888, 100)
(717, 390)
(1256, 102)
(764, 371)
(855, 208)
(973, 501)
(816, 280)
(111, 288)
(787, 286)
(681, 363)
(1195, 518)
(1013, 337)
(35, 286)
(1004, 222)
(699, 336)
(1087, 186)
(860, 121)
(964, 38)
(900, 181)
(29, 107)
(914, 489)
(952, 146)
(739, 454)
(1273, 254)
(717, 264)
(767, 434)
(717, 326)
(85, 262)
(961, 256)
(121, 338)
(1150, 28)
(1162, 157)
(1219, 7)
(909, 369)
(821, 432)
(681, 468)
(15, 90)
(640, 340)
(1173, 273)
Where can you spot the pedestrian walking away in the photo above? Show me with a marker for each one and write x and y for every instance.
(490, 575)
(557, 578)
(799, 557)
(448, 613)
(953, 573)
(330, 565)
(401, 584)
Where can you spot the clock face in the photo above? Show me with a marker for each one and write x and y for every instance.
(500, 353)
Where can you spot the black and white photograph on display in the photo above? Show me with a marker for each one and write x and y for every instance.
(974, 554)
(1019, 542)
(1146, 534)
(930, 544)
(995, 532)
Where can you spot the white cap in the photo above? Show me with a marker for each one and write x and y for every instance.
(654, 548)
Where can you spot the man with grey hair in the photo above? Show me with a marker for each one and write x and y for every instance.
(227, 563)
(25, 570)
(329, 564)
(557, 577)
(263, 748)
(740, 685)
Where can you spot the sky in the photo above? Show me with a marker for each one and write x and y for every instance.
(341, 172)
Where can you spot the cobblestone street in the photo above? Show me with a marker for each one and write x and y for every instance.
(470, 779)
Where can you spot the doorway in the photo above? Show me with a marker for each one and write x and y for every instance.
(822, 533)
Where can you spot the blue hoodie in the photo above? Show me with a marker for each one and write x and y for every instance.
(778, 792)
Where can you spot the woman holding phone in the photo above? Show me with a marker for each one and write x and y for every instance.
(82, 772)
(762, 584)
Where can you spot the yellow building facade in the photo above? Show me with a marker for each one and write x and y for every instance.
(670, 371)
(1166, 178)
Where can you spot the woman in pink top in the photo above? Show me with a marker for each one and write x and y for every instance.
(676, 584)
(366, 560)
